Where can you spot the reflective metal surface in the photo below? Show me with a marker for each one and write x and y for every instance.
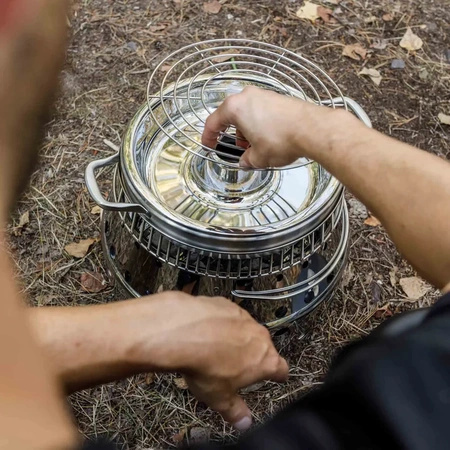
(220, 207)
(213, 62)
(204, 257)
(275, 300)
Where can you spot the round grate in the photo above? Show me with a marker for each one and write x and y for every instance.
(208, 65)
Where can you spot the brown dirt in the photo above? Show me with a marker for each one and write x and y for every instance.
(112, 49)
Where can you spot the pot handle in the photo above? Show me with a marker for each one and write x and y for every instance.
(353, 106)
(94, 190)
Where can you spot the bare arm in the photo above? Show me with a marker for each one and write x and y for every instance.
(216, 344)
(406, 188)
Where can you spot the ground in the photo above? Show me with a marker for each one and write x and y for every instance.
(113, 46)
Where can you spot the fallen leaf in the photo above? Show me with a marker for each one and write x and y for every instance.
(411, 41)
(23, 221)
(444, 118)
(213, 7)
(371, 19)
(225, 56)
(376, 292)
(180, 383)
(424, 74)
(383, 313)
(165, 68)
(348, 276)
(392, 277)
(155, 28)
(253, 387)
(372, 221)
(178, 438)
(150, 378)
(326, 14)
(308, 11)
(388, 17)
(79, 249)
(43, 300)
(96, 210)
(374, 75)
(355, 51)
(414, 287)
(199, 435)
(379, 44)
(92, 282)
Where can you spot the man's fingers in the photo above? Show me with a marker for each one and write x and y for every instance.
(281, 373)
(236, 412)
(241, 141)
(251, 160)
(217, 122)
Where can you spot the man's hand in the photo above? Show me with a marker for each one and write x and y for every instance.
(276, 129)
(224, 350)
(216, 345)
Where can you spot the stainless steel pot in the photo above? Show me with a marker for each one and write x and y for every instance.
(192, 208)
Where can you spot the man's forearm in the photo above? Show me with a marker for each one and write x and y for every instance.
(406, 188)
(97, 344)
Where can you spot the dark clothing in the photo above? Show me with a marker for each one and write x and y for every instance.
(390, 390)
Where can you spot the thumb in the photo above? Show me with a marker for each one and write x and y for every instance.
(250, 160)
(236, 412)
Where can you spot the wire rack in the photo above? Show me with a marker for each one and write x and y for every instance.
(182, 84)
(223, 265)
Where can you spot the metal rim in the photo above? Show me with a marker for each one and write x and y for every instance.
(214, 241)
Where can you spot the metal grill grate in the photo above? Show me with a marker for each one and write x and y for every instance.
(206, 65)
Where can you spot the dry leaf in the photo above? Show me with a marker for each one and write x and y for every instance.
(43, 300)
(326, 14)
(155, 28)
(348, 276)
(370, 20)
(92, 282)
(414, 287)
(411, 41)
(379, 44)
(96, 210)
(393, 278)
(374, 75)
(308, 11)
(79, 249)
(23, 221)
(180, 383)
(178, 438)
(253, 387)
(165, 68)
(150, 378)
(225, 56)
(383, 313)
(372, 221)
(388, 17)
(355, 51)
(213, 7)
(444, 118)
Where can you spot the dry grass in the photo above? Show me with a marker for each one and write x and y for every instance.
(112, 50)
